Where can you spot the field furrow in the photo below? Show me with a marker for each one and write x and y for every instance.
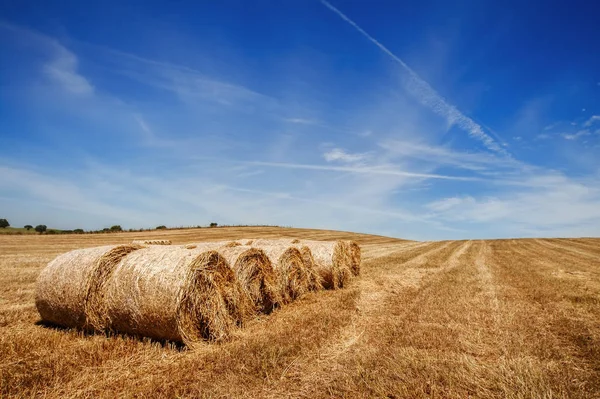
(450, 319)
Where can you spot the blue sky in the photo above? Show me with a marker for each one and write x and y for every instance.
(431, 120)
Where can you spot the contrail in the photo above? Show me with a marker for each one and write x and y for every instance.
(362, 170)
(427, 94)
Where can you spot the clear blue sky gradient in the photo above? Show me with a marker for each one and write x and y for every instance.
(428, 120)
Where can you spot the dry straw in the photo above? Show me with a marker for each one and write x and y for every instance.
(69, 284)
(292, 276)
(294, 264)
(255, 272)
(335, 262)
(151, 242)
(355, 256)
(174, 293)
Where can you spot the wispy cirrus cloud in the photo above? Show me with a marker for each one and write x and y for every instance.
(427, 95)
(62, 69)
(368, 170)
(593, 119)
(445, 155)
(577, 135)
(338, 154)
(549, 204)
(62, 66)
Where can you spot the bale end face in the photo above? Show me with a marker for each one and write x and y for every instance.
(256, 274)
(95, 303)
(213, 301)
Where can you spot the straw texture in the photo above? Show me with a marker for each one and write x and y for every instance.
(68, 284)
(173, 293)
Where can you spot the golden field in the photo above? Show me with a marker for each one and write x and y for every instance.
(452, 319)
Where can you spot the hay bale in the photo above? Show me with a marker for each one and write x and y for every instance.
(306, 277)
(68, 287)
(315, 281)
(334, 261)
(292, 276)
(355, 256)
(254, 270)
(151, 242)
(177, 294)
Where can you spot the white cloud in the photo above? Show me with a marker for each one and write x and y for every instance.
(442, 155)
(542, 136)
(575, 136)
(592, 120)
(427, 94)
(301, 121)
(337, 154)
(368, 170)
(63, 70)
(548, 202)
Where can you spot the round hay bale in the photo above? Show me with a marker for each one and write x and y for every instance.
(255, 272)
(175, 293)
(67, 289)
(355, 256)
(314, 278)
(332, 262)
(332, 259)
(151, 242)
(292, 275)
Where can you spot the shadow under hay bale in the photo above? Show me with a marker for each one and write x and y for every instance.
(67, 284)
(173, 293)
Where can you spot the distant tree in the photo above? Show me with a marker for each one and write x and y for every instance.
(78, 231)
(106, 229)
(213, 224)
(28, 227)
(4, 223)
(161, 227)
(116, 228)
(40, 228)
(51, 231)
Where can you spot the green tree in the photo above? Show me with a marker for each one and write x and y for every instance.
(161, 227)
(40, 228)
(4, 223)
(28, 227)
(213, 224)
(116, 228)
(78, 231)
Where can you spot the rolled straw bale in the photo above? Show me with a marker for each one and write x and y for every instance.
(316, 281)
(68, 287)
(173, 293)
(254, 270)
(151, 242)
(333, 260)
(305, 278)
(292, 275)
(355, 256)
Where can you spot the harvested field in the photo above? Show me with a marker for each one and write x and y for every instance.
(452, 319)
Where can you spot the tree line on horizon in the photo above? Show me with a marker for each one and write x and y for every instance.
(43, 229)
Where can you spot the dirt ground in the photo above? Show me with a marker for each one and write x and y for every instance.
(451, 319)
